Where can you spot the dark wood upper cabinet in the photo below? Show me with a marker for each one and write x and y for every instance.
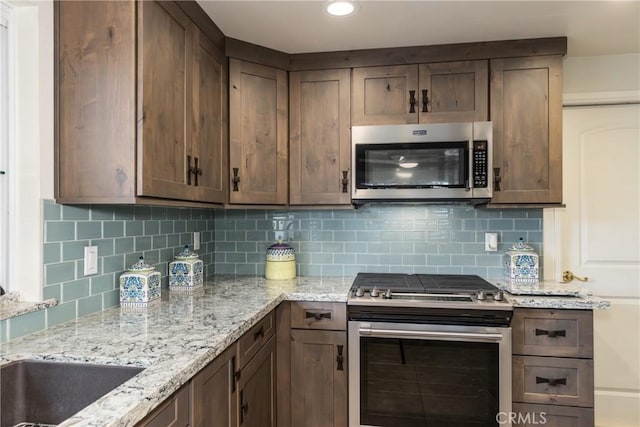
(526, 111)
(258, 157)
(319, 137)
(140, 100)
(424, 93)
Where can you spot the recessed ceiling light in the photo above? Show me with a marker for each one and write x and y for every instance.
(341, 7)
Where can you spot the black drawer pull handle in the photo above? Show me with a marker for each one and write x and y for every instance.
(340, 358)
(551, 334)
(552, 382)
(236, 179)
(412, 101)
(345, 181)
(317, 315)
(425, 101)
(244, 407)
(259, 333)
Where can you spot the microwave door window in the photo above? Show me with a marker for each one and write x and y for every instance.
(420, 167)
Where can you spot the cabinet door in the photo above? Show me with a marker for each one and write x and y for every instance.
(96, 102)
(174, 412)
(258, 134)
(526, 110)
(383, 95)
(454, 92)
(257, 391)
(165, 50)
(214, 392)
(318, 378)
(209, 125)
(319, 137)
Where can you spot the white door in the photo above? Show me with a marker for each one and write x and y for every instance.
(598, 235)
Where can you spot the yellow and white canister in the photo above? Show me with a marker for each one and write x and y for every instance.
(281, 262)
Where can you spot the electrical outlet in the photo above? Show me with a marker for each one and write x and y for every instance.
(196, 240)
(491, 242)
(90, 260)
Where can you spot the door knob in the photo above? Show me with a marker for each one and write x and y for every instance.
(568, 276)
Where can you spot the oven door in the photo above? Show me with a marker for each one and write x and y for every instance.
(405, 375)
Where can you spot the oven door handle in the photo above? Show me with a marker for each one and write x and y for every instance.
(394, 333)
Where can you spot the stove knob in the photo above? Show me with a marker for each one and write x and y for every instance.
(375, 292)
(481, 296)
(498, 296)
(359, 292)
(387, 294)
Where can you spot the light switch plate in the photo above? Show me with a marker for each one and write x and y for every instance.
(491, 242)
(90, 260)
(196, 240)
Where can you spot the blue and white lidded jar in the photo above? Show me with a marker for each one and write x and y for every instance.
(139, 285)
(521, 263)
(187, 271)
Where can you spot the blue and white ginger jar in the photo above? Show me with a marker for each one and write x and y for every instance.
(139, 285)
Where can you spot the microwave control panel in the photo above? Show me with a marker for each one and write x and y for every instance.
(480, 163)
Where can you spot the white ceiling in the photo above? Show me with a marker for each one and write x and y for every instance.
(592, 27)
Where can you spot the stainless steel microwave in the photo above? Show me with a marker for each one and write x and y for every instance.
(443, 162)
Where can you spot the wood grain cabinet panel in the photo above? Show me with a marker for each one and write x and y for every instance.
(258, 155)
(318, 378)
(257, 389)
(134, 82)
(563, 333)
(319, 315)
(530, 415)
(215, 392)
(174, 412)
(420, 93)
(526, 111)
(319, 137)
(252, 340)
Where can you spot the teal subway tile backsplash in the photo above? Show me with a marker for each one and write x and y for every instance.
(383, 238)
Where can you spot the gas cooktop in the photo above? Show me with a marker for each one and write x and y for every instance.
(426, 290)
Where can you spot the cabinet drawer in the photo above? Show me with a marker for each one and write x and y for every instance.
(541, 332)
(174, 412)
(319, 315)
(528, 415)
(254, 338)
(553, 380)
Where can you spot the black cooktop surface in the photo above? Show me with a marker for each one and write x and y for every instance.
(422, 283)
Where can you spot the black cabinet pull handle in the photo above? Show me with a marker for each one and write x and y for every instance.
(425, 101)
(317, 315)
(551, 381)
(497, 179)
(551, 334)
(345, 181)
(259, 333)
(236, 179)
(412, 101)
(340, 359)
(244, 407)
(196, 171)
(189, 170)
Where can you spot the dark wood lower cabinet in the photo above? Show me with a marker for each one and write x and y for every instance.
(318, 378)
(174, 412)
(215, 394)
(256, 389)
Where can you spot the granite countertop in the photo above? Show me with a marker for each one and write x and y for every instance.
(176, 337)
(11, 305)
(173, 339)
(552, 295)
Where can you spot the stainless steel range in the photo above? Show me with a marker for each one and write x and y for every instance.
(428, 350)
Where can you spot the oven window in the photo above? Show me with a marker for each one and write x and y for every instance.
(416, 165)
(411, 382)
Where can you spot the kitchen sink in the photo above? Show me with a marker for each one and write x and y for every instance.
(46, 393)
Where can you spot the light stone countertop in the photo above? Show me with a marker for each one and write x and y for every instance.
(176, 337)
(555, 295)
(11, 305)
(173, 339)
